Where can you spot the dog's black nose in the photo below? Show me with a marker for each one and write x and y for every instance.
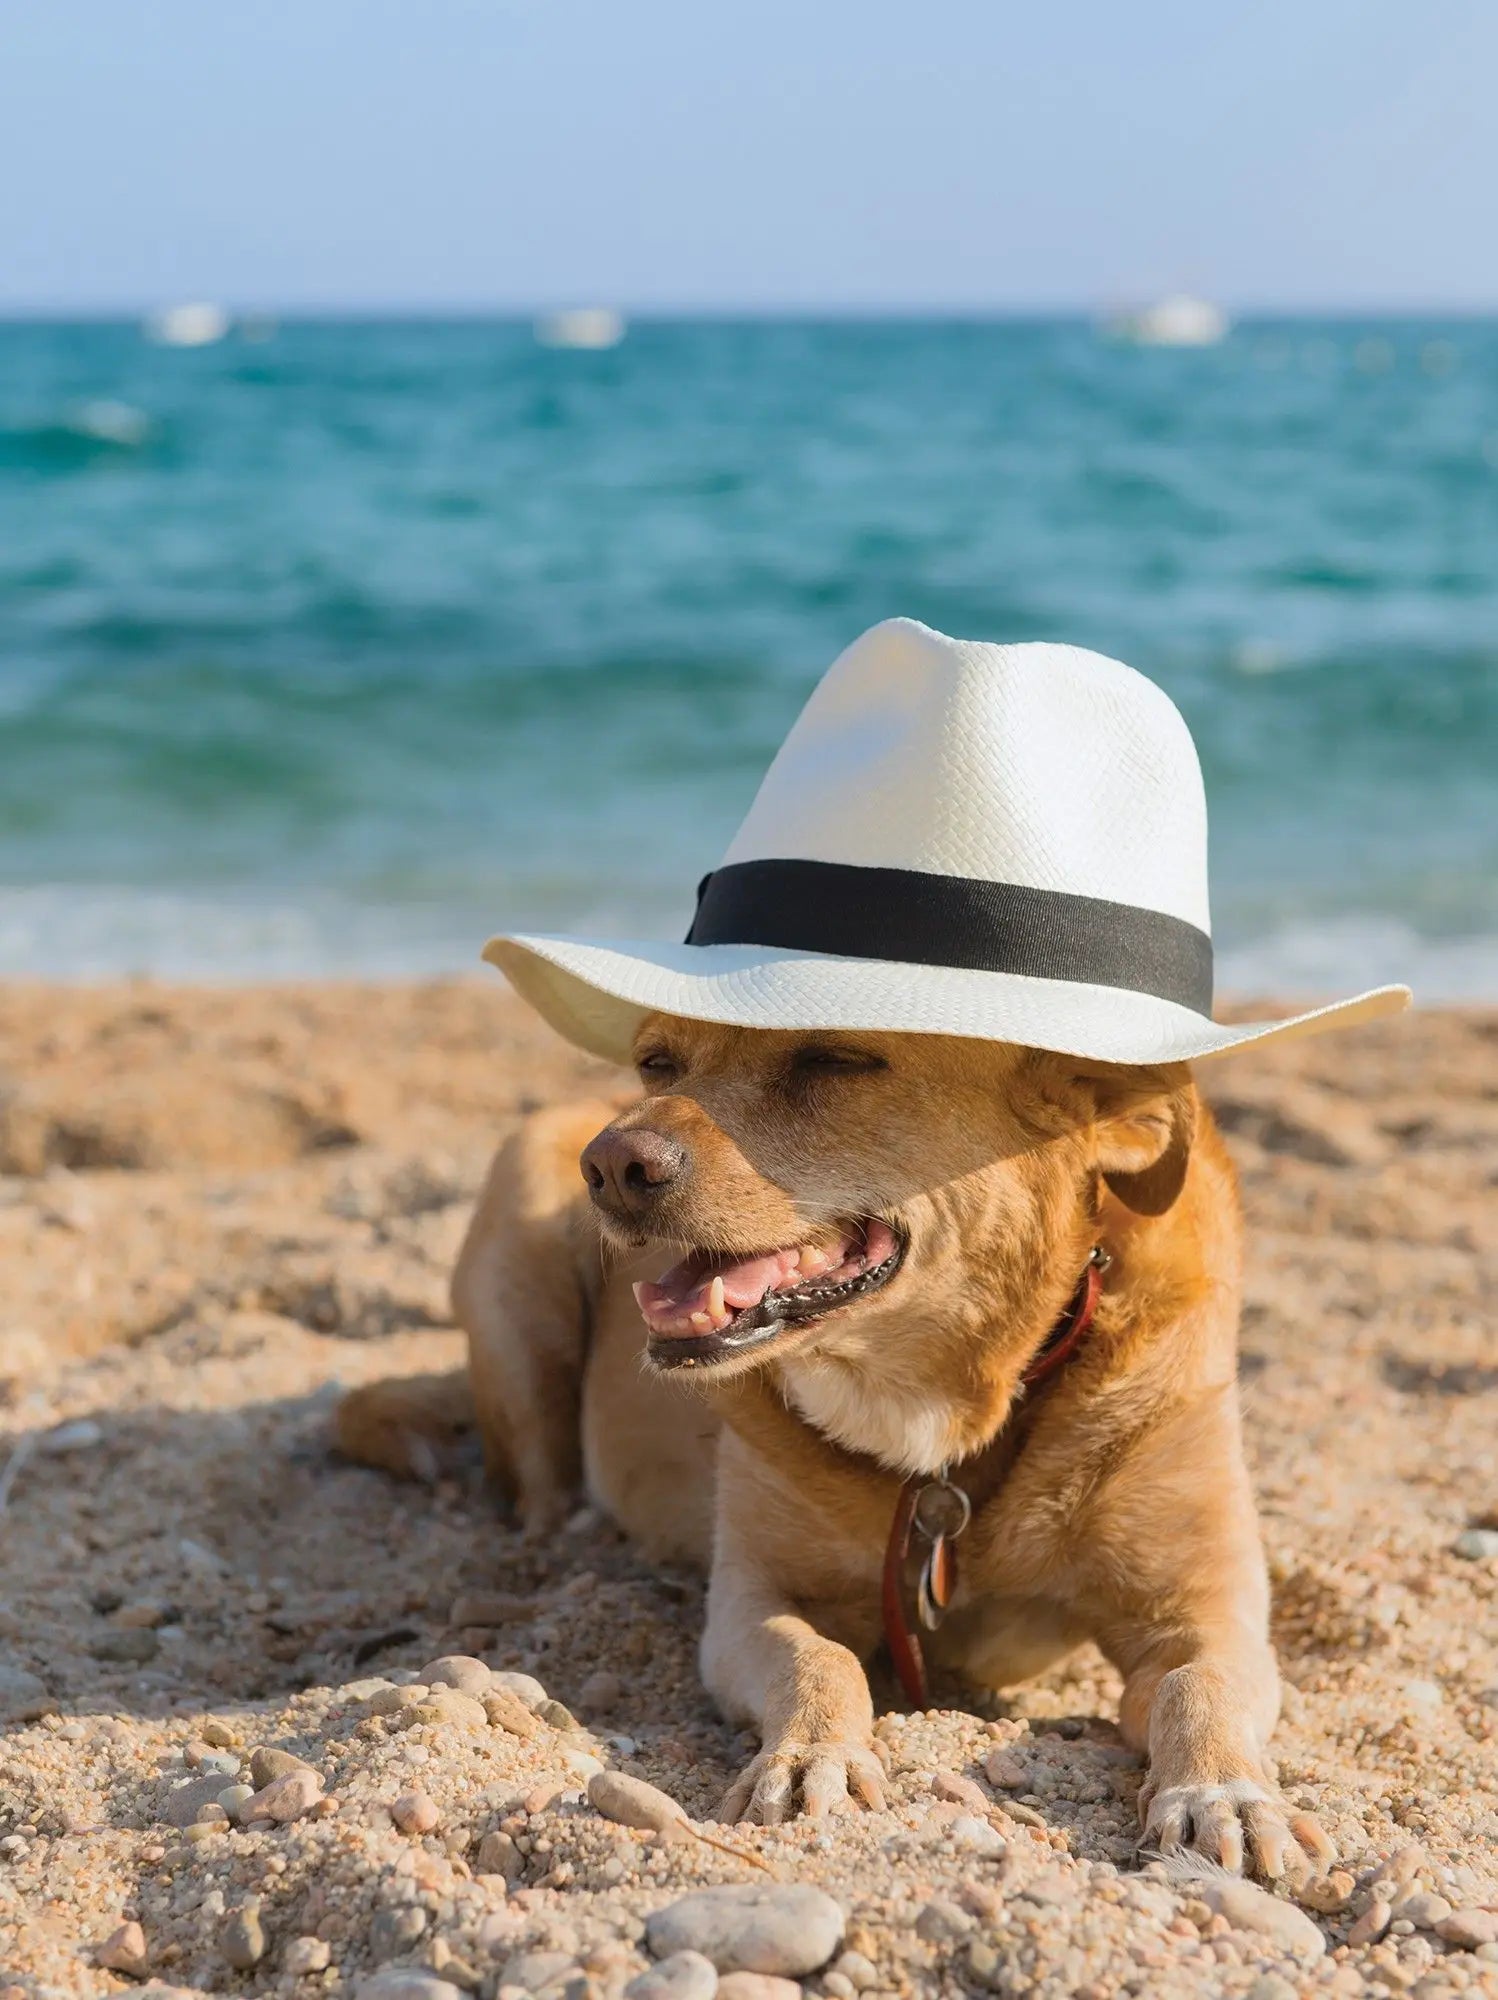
(629, 1170)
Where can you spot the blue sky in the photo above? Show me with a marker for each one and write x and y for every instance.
(508, 154)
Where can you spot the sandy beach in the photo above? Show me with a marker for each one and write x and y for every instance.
(220, 1206)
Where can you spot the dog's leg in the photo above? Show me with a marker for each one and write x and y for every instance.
(519, 1292)
(771, 1661)
(406, 1426)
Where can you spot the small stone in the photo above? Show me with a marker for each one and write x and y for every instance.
(1250, 1908)
(861, 1973)
(284, 1799)
(141, 1617)
(531, 1970)
(242, 1941)
(1422, 1695)
(213, 1763)
(306, 1954)
(266, 1765)
(498, 1855)
(460, 1671)
(1423, 1908)
(22, 1696)
(557, 1714)
(405, 1982)
(393, 1931)
(1328, 1893)
(184, 1807)
(124, 1950)
(1003, 1768)
(219, 1734)
(449, 1707)
(959, 1791)
(505, 1710)
(976, 1835)
(601, 1692)
(126, 1647)
(1477, 1544)
(525, 1688)
(1469, 1930)
(82, 1434)
(234, 1799)
(414, 1812)
(941, 1922)
(1270, 1986)
(757, 1986)
(786, 1928)
(986, 1968)
(631, 1802)
(1371, 1925)
(832, 1982)
(686, 1975)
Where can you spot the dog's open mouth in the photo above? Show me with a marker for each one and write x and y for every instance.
(710, 1308)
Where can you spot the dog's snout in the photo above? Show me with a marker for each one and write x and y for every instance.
(629, 1170)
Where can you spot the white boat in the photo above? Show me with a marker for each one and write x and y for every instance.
(196, 325)
(584, 326)
(1176, 321)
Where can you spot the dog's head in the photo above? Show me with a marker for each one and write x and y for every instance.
(842, 1190)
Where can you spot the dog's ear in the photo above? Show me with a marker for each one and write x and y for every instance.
(1146, 1122)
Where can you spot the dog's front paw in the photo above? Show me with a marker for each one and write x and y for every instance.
(1233, 1823)
(814, 1778)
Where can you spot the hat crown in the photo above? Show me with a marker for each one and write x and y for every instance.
(1045, 766)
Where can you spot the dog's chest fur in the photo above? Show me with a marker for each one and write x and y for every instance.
(907, 1431)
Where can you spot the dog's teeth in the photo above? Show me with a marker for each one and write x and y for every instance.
(702, 1322)
(638, 1288)
(813, 1262)
(717, 1305)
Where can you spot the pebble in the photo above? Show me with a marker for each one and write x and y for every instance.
(976, 1835)
(242, 1941)
(1468, 1929)
(234, 1799)
(414, 1812)
(23, 1697)
(1477, 1544)
(267, 1765)
(787, 1928)
(460, 1671)
(686, 1975)
(129, 1646)
(757, 1986)
(498, 1855)
(405, 1982)
(531, 1970)
(524, 1687)
(505, 1710)
(1247, 1907)
(1328, 1893)
(960, 1791)
(861, 1973)
(306, 1954)
(82, 1434)
(1422, 1694)
(184, 1807)
(557, 1714)
(124, 1950)
(1371, 1925)
(393, 1931)
(1423, 1907)
(283, 1799)
(601, 1692)
(631, 1802)
(219, 1734)
(449, 1707)
(1004, 1768)
(941, 1922)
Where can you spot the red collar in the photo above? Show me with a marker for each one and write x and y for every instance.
(938, 1511)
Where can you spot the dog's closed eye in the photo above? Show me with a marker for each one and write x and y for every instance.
(823, 1059)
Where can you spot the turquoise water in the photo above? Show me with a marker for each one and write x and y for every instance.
(337, 650)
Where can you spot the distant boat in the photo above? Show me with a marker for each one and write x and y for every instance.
(586, 326)
(1176, 321)
(195, 325)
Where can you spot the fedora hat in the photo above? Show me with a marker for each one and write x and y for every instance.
(1007, 842)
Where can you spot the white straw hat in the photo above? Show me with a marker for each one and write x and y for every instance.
(1008, 842)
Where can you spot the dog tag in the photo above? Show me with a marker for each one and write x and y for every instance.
(941, 1513)
(937, 1583)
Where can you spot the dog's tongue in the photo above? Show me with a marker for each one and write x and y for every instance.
(702, 1293)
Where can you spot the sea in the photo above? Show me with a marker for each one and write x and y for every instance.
(329, 648)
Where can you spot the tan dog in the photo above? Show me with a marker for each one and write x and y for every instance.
(879, 1233)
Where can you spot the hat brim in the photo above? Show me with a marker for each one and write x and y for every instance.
(596, 994)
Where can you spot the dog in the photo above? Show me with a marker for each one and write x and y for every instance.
(840, 1255)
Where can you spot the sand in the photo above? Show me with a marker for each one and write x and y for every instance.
(219, 1207)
